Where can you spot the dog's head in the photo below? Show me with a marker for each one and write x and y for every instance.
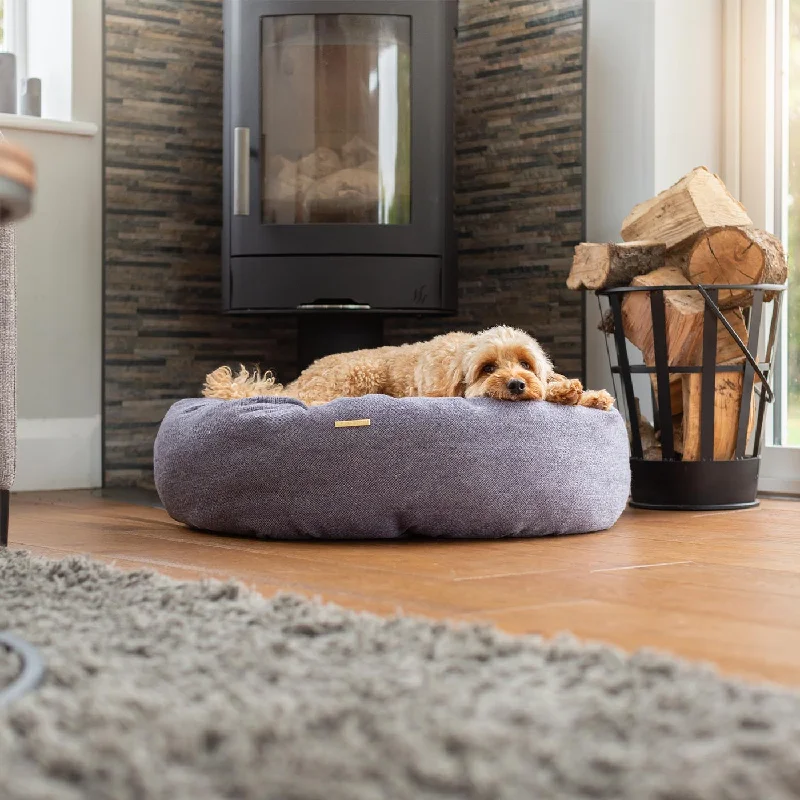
(506, 364)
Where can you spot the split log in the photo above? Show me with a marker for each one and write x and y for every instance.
(677, 431)
(675, 393)
(697, 201)
(604, 266)
(288, 185)
(727, 403)
(728, 352)
(319, 164)
(728, 388)
(736, 255)
(284, 191)
(653, 453)
(647, 432)
(683, 314)
(676, 407)
(357, 152)
(349, 193)
(653, 450)
(647, 435)
(278, 163)
(606, 324)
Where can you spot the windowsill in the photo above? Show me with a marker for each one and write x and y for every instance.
(39, 125)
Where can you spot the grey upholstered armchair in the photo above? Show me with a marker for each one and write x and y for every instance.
(8, 373)
(17, 185)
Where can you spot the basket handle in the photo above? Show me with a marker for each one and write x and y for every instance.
(742, 346)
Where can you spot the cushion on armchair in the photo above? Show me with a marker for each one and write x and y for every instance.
(380, 467)
(8, 357)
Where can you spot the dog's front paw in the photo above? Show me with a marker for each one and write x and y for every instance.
(600, 399)
(566, 392)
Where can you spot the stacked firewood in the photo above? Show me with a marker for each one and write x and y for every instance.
(325, 184)
(695, 232)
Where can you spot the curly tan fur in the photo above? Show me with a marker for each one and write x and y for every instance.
(222, 384)
(564, 391)
(502, 362)
(597, 399)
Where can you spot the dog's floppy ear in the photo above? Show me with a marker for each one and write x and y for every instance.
(441, 372)
(544, 367)
(455, 366)
(454, 379)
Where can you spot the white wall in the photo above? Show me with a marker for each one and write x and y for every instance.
(59, 267)
(654, 111)
(688, 88)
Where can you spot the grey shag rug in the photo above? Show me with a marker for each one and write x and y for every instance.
(184, 691)
(10, 667)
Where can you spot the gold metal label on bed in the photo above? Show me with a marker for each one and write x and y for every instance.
(352, 423)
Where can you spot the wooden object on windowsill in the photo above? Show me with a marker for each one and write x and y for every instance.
(604, 266)
(16, 164)
(696, 202)
(17, 182)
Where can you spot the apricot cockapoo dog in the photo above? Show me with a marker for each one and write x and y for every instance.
(501, 362)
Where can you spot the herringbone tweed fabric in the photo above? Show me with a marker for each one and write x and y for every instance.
(8, 356)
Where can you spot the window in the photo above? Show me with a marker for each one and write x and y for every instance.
(14, 16)
(39, 34)
(788, 433)
(762, 143)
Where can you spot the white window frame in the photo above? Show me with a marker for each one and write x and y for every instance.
(754, 147)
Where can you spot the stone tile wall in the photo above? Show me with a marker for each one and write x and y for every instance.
(519, 73)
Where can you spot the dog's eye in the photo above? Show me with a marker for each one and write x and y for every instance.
(524, 365)
(488, 369)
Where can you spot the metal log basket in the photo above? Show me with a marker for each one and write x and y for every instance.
(707, 484)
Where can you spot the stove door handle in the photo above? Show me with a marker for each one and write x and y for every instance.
(241, 172)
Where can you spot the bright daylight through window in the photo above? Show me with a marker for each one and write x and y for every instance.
(792, 382)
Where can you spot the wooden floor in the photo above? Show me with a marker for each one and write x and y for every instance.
(721, 587)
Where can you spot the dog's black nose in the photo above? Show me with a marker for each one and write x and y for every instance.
(516, 386)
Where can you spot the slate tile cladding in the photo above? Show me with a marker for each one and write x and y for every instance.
(519, 172)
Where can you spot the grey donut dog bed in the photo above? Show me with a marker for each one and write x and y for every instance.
(275, 468)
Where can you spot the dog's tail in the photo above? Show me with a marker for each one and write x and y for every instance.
(222, 384)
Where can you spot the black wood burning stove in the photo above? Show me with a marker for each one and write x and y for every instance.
(338, 162)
